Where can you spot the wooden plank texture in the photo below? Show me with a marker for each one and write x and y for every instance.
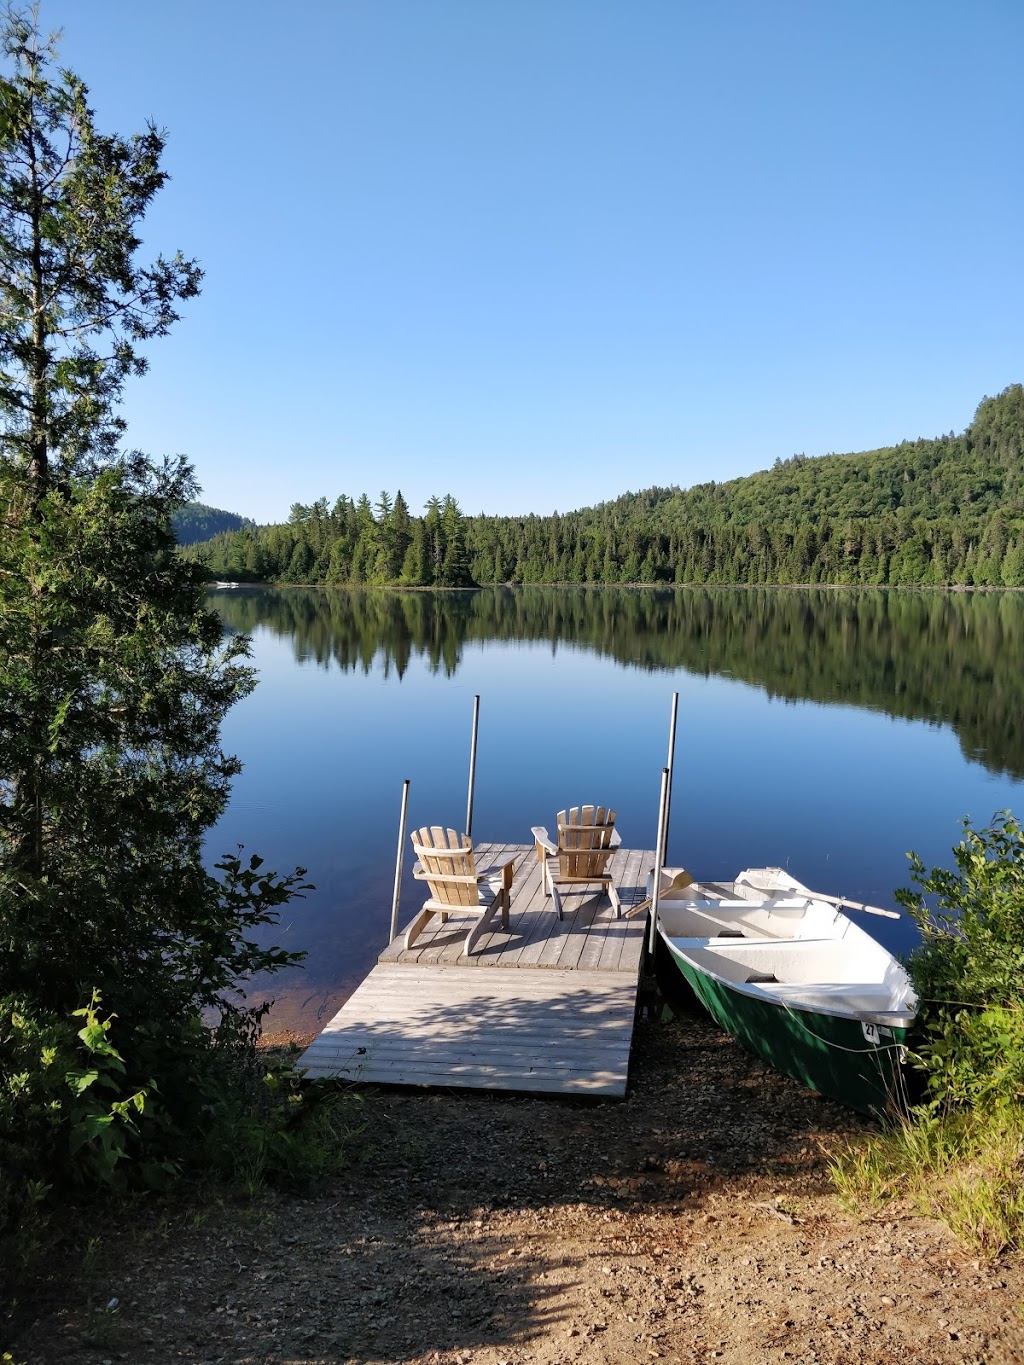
(558, 1019)
(588, 938)
(551, 1031)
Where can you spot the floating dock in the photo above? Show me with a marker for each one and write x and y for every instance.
(545, 1005)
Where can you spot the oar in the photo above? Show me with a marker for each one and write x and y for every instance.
(677, 883)
(854, 905)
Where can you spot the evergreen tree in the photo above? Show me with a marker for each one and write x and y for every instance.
(113, 679)
(455, 562)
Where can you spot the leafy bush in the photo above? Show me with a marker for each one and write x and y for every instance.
(969, 968)
(129, 1100)
(960, 1155)
(67, 1115)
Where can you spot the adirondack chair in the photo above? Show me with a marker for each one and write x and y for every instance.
(586, 845)
(457, 886)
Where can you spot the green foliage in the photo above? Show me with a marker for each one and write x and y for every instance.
(945, 511)
(76, 303)
(352, 542)
(965, 1167)
(267, 1128)
(67, 1114)
(960, 1155)
(113, 684)
(113, 681)
(102, 1117)
(79, 1109)
(968, 968)
(196, 522)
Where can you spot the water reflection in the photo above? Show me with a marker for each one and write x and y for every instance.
(823, 731)
(953, 658)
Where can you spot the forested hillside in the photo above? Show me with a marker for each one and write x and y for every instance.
(942, 511)
(195, 521)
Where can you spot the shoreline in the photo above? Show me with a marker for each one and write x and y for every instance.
(693, 1222)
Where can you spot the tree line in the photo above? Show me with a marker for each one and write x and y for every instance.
(943, 512)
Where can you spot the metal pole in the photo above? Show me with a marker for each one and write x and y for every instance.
(671, 769)
(472, 768)
(659, 859)
(399, 860)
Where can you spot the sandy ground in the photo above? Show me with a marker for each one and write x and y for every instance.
(693, 1223)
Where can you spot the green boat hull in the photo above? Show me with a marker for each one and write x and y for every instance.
(825, 1052)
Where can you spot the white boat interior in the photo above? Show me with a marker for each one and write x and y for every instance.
(766, 935)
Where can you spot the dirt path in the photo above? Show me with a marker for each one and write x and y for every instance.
(693, 1223)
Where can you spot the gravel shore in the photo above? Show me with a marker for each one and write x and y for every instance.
(695, 1222)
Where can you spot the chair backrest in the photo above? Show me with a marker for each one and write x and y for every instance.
(444, 853)
(585, 845)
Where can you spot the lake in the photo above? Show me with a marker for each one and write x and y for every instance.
(827, 731)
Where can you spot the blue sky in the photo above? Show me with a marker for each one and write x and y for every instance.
(536, 253)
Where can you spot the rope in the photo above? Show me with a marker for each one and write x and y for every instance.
(886, 1047)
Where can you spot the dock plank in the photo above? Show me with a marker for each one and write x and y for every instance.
(552, 1031)
(545, 1006)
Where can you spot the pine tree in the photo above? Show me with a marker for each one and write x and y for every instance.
(113, 679)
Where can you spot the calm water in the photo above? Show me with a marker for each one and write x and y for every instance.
(824, 731)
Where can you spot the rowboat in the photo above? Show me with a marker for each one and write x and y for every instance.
(794, 979)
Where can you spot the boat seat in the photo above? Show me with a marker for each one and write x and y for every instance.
(702, 941)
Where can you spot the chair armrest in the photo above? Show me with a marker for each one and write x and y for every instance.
(455, 878)
(502, 870)
(497, 870)
(543, 839)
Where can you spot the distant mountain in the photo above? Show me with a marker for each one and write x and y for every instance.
(196, 522)
(942, 512)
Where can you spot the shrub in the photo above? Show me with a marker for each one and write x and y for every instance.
(960, 1155)
(969, 968)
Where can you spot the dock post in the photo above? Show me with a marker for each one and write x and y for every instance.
(671, 769)
(659, 859)
(472, 767)
(399, 860)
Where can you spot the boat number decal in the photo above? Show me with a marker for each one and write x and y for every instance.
(870, 1032)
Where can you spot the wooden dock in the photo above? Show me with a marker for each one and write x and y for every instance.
(545, 1005)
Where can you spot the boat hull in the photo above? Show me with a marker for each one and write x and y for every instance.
(857, 1062)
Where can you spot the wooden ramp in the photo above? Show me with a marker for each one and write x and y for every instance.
(566, 1032)
(545, 1005)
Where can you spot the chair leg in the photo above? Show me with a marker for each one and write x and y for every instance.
(415, 927)
(556, 898)
(482, 925)
(613, 896)
(545, 877)
(507, 873)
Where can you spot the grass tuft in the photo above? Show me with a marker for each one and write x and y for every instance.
(962, 1167)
